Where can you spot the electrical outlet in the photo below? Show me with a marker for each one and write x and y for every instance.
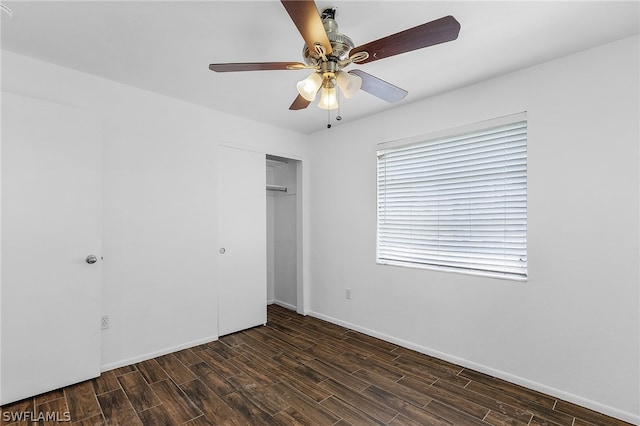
(104, 322)
(347, 293)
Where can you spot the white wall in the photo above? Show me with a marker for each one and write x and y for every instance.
(160, 210)
(572, 330)
(285, 251)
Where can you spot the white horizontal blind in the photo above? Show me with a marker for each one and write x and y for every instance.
(456, 202)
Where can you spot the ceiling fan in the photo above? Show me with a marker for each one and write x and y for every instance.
(327, 52)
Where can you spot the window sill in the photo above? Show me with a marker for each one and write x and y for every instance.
(484, 274)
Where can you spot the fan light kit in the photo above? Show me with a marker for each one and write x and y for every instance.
(327, 52)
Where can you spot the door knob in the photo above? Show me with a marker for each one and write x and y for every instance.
(91, 259)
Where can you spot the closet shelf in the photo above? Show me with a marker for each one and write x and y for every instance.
(276, 188)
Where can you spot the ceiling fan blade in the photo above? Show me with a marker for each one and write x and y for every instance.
(304, 14)
(299, 103)
(425, 35)
(380, 88)
(256, 66)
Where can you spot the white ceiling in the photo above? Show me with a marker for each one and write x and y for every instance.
(166, 46)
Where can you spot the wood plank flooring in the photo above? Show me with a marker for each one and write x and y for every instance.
(299, 370)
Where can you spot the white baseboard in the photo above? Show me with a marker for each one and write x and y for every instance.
(150, 355)
(285, 305)
(557, 393)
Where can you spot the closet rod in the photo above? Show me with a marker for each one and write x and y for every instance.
(276, 188)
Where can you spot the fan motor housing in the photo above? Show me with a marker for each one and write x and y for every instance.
(340, 43)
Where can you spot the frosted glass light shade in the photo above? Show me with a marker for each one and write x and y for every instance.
(328, 98)
(309, 86)
(348, 83)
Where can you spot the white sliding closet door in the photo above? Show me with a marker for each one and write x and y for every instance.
(51, 203)
(242, 262)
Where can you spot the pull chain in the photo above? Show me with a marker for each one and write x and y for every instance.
(338, 117)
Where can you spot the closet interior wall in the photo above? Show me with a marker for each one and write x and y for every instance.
(281, 232)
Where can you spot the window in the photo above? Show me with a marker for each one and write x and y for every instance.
(457, 202)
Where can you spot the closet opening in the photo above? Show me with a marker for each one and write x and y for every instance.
(284, 224)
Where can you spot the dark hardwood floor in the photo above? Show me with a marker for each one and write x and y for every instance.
(299, 370)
